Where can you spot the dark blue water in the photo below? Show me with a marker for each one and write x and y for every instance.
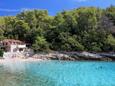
(56, 73)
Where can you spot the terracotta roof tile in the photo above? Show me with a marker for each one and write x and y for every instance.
(12, 41)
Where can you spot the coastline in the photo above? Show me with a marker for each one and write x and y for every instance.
(64, 56)
(20, 60)
(75, 56)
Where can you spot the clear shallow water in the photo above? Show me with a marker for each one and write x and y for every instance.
(55, 73)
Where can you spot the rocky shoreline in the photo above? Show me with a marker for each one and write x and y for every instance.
(75, 56)
(71, 56)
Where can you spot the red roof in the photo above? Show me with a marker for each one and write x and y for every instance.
(12, 41)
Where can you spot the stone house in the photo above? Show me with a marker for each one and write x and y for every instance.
(11, 45)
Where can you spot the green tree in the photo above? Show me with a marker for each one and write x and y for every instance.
(85, 28)
(20, 30)
(40, 44)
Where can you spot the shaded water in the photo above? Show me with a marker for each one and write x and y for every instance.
(57, 73)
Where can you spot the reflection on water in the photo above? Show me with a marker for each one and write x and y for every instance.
(55, 73)
(16, 73)
(14, 65)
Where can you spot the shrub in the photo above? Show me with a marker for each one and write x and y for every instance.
(1, 53)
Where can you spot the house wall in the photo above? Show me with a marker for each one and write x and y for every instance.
(21, 46)
(15, 48)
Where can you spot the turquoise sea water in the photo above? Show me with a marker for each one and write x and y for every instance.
(57, 73)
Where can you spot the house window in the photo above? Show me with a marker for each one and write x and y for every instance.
(6, 43)
(20, 49)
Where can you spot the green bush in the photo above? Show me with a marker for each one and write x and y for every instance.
(1, 53)
(40, 44)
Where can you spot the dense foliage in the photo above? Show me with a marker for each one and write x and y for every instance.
(1, 53)
(85, 28)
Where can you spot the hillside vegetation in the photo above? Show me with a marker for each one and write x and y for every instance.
(85, 28)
